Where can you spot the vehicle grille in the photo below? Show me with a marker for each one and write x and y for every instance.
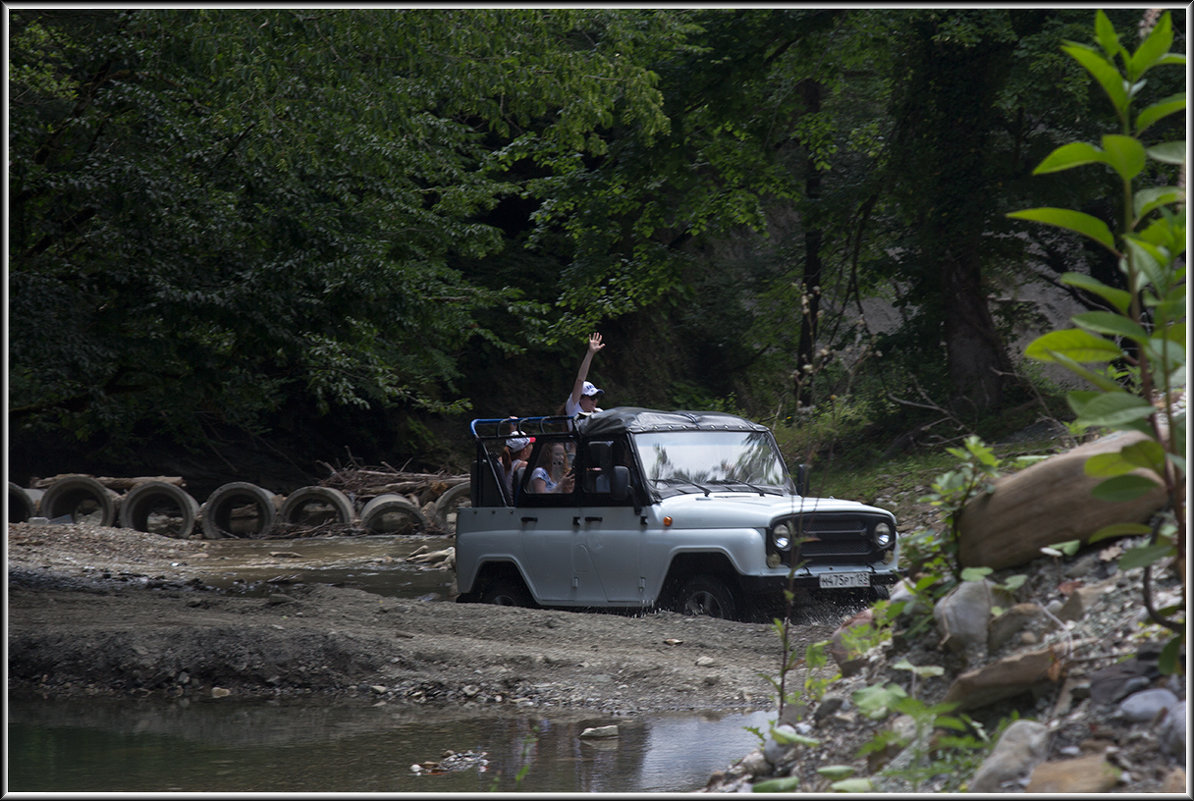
(839, 540)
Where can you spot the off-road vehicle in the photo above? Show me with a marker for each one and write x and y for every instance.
(691, 511)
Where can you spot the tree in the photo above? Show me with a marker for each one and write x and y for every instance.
(217, 211)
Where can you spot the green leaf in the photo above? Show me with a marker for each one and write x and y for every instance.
(1144, 555)
(1159, 110)
(1150, 51)
(836, 772)
(1102, 322)
(976, 573)
(1115, 409)
(1073, 343)
(1154, 197)
(792, 738)
(1075, 154)
(859, 785)
(1119, 530)
(1119, 298)
(1170, 662)
(874, 701)
(1146, 453)
(787, 784)
(1168, 152)
(1013, 583)
(1105, 35)
(1076, 221)
(1124, 488)
(1125, 155)
(1104, 72)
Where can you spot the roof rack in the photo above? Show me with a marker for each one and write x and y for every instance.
(503, 427)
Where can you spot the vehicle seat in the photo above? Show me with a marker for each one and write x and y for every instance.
(516, 484)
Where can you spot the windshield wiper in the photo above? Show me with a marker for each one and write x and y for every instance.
(754, 487)
(682, 481)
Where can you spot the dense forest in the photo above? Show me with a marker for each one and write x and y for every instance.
(306, 232)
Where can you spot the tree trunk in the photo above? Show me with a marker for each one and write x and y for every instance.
(810, 281)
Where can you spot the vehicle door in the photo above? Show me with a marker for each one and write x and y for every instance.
(610, 527)
(550, 531)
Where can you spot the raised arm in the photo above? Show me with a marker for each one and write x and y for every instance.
(595, 344)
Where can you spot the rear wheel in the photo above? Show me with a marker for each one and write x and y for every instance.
(507, 592)
(706, 595)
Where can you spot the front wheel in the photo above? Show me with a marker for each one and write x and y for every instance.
(706, 595)
(507, 592)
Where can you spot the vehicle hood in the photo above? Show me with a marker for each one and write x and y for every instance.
(730, 509)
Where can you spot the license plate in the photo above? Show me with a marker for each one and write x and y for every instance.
(828, 580)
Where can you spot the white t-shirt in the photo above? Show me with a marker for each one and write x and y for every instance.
(573, 409)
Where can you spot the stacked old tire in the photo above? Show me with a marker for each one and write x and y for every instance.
(366, 501)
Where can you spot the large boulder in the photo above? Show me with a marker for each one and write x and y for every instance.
(1047, 503)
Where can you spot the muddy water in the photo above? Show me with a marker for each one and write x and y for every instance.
(220, 745)
(230, 745)
(376, 563)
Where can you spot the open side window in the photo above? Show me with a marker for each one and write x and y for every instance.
(551, 456)
(605, 472)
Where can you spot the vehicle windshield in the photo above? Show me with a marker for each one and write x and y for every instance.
(693, 461)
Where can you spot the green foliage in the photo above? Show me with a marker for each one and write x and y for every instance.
(953, 490)
(1143, 325)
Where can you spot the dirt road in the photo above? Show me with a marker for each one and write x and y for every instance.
(96, 610)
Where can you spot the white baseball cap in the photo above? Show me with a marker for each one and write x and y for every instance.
(516, 444)
(589, 391)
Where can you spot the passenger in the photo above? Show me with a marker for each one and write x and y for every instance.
(584, 397)
(552, 474)
(514, 455)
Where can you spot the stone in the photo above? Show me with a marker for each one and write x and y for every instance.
(1003, 679)
(1023, 746)
(1092, 774)
(220, 692)
(849, 661)
(1012, 622)
(755, 764)
(1080, 602)
(705, 661)
(1175, 782)
(963, 615)
(1144, 706)
(1173, 730)
(1047, 503)
(599, 732)
(775, 751)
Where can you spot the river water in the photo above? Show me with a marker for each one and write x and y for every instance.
(293, 745)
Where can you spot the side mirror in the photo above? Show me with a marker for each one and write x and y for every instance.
(801, 479)
(619, 485)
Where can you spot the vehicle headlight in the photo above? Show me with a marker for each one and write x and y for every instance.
(884, 535)
(781, 536)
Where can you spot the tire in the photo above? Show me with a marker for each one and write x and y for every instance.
(21, 506)
(392, 514)
(331, 506)
(708, 595)
(447, 504)
(217, 511)
(161, 500)
(507, 591)
(82, 499)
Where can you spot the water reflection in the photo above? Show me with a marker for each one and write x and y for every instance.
(228, 745)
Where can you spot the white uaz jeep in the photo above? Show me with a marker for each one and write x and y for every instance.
(691, 511)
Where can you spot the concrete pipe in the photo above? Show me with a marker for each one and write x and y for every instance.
(80, 499)
(314, 506)
(447, 504)
(158, 507)
(392, 514)
(21, 505)
(238, 509)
